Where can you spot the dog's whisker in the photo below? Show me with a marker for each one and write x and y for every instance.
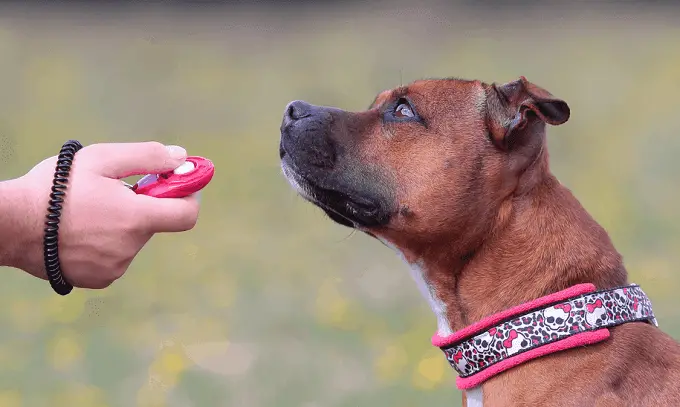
(351, 233)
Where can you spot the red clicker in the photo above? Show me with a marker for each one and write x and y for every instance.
(188, 178)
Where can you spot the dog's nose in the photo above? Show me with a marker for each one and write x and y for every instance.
(305, 133)
(297, 110)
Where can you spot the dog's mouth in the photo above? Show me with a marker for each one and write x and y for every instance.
(342, 207)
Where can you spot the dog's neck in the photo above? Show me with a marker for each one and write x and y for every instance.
(542, 242)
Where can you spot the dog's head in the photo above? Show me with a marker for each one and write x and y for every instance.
(431, 158)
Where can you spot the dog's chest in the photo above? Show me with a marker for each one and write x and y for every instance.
(474, 397)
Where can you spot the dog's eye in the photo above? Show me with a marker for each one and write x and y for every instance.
(403, 109)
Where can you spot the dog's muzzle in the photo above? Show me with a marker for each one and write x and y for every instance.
(305, 131)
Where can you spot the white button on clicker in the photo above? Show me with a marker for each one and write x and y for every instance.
(185, 168)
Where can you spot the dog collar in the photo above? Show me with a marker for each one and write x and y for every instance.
(574, 317)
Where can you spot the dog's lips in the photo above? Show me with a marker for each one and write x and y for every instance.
(282, 151)
(350, 211)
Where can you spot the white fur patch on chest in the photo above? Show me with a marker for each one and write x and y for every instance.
(474, 397)
(428, 291)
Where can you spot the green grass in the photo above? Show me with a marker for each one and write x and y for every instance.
(264, 271)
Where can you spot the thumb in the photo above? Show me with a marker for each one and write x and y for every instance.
(120, 160)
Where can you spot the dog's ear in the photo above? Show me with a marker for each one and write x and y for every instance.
(516, 106)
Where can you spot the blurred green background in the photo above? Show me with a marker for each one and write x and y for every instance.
(266, 302)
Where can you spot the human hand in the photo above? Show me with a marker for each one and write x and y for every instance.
(103, 224)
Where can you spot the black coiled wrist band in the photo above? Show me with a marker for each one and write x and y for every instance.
(57, 196)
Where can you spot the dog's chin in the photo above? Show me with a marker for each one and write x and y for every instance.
(343, 208)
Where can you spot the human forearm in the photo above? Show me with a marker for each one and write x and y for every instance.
(20, 227)
(102, 224)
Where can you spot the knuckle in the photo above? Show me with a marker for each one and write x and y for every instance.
(115, 267)
(117, 271)
(91, 156)
(155, 148)
(135, 221)
(157, 153)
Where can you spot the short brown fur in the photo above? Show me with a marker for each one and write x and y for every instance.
(478, 207)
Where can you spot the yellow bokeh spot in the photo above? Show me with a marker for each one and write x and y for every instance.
(169, 364)
(430, 371)
(390, 364)
(10, 398)
(172, 362)
(64, 350)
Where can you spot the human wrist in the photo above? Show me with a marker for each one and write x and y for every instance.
(20, 226)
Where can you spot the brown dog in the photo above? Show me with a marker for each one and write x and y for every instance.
(453, 174)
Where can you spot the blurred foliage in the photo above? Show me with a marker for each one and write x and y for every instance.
(266, 302)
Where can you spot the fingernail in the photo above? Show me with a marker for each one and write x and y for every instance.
(176, 152)
(197, 195)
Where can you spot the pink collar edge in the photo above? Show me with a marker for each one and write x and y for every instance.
(494, 319)
(576, 339)
(582, 339)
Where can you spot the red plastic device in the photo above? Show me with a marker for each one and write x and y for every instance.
(189, 178)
